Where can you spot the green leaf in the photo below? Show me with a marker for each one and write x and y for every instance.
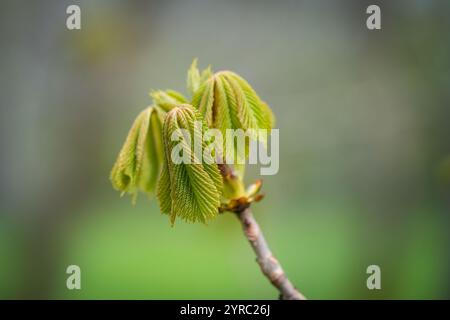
(227, 101)
(139, 161)
(195, 189)
(164, 191)
(206, 74)
(195, 79)
(204, 99)
(168, 99)
(260, 110)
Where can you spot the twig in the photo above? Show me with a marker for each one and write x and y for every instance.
(270, 266)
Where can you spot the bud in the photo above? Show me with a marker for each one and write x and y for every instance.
(190, 191)
(139, 162)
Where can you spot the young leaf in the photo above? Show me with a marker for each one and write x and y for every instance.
(167, 100)
(139, 161)
(195, 79)
(190, 191)
(227, 101)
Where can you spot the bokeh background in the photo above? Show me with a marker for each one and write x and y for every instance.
(364, 156)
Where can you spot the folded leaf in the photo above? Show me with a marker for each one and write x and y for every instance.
(227, 101)
(168, 99)
(139, 161)
(195, 78)
(190, 191)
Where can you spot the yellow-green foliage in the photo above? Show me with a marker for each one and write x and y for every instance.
(193, 191)
(195, 78)
(139, 162)
(167, 100)
(227, 101)
(189, 191)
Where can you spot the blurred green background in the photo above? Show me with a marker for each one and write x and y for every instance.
(364, 155)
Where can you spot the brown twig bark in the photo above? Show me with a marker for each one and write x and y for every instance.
(270, 266)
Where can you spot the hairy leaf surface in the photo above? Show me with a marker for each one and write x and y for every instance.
(195, 188)
(139, 161)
